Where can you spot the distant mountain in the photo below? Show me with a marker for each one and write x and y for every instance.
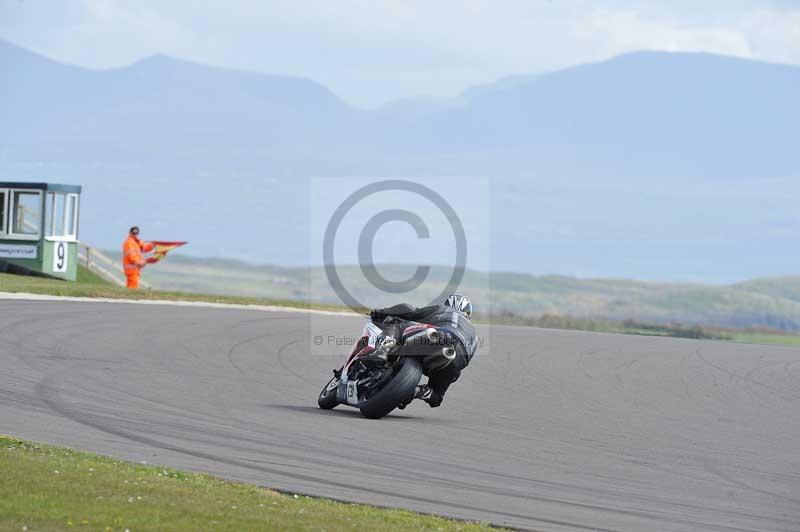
(668, 113)
(649, 165)
(158, 99)
(505, 83)
(651, 113)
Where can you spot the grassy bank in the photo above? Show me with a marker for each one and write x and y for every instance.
(90, 285)
(772, 303)
(697, 332)
(768, 338)
(53, 488)
(552, 321)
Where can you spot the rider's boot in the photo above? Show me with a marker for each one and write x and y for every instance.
(423, 392)
(430, 395)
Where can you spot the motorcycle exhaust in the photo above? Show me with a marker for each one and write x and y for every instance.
(432, 335)
(423, 342)
(439, 359)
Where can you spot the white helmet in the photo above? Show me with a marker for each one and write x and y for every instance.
(460, 303)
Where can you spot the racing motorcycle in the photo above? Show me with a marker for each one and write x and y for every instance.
(385, 366)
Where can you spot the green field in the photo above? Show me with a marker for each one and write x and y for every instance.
(53, 488)
(90, 285)
(765, 338)
(770, 304)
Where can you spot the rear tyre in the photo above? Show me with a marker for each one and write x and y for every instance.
(327, 397)
(400, 389)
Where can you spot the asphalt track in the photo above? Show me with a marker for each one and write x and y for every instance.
(548, 430)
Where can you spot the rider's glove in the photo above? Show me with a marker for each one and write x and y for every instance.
(377, 315)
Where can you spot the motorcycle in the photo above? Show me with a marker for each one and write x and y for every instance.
(385, 366)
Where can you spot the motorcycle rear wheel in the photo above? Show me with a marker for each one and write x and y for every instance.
(400, 389)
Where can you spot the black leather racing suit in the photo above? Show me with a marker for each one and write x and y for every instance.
(454, 324)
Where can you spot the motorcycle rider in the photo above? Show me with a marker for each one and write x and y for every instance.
(452, 318)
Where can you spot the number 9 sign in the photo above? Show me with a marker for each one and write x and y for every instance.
(60, 258)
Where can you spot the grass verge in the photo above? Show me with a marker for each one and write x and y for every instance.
(53, 488)
(90, 285)
(747, 337)
(698, 332)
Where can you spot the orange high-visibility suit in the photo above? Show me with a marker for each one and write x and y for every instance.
(132, 260)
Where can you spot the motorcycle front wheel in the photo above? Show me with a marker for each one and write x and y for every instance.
(399, 389)
(327, 397)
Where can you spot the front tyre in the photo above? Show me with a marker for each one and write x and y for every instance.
(400, 389)
(327, 397)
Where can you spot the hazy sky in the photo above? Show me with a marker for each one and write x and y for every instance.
(369, 52)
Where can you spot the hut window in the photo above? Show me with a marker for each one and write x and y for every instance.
(3, 210)
(26, 214)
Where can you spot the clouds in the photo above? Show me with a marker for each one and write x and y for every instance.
(773, 34)
(763, 34)
(370, 52)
